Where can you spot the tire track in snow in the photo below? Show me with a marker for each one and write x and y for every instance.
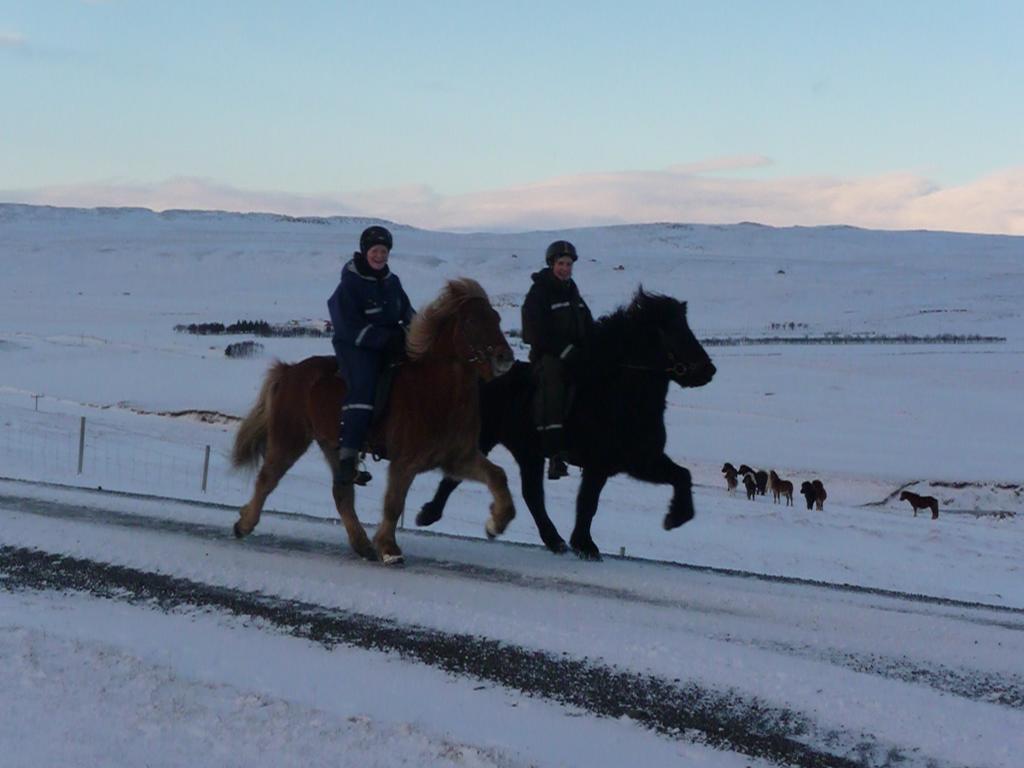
(970, 684)
(687, 711)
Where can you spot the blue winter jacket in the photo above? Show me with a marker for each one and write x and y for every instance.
(367, 306)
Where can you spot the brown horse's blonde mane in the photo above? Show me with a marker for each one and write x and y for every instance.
(426, 325)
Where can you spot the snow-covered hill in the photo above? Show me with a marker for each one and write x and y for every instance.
(89, 300)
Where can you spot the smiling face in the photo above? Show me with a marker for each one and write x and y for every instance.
(562, 268)
(377, 257)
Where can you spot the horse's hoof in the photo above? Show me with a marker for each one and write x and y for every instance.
(365, 551)
(558, 547)
(493, 529)
(593, 555)
(672, 521)
(392, 559)
(428, 514)
(585, 550)
(238, 530)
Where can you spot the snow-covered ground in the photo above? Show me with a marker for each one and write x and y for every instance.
(88, 303)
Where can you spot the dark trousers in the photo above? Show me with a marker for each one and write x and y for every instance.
(359, 368)
(549, 402)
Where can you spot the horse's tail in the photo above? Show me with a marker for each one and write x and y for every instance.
(251, 438)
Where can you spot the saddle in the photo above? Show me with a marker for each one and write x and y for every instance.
(382, 396)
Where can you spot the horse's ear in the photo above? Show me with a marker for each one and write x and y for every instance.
(636, 301)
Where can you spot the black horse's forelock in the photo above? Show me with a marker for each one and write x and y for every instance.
(655, 308)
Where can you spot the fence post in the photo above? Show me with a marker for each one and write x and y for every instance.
(206, 467)
(81, 445)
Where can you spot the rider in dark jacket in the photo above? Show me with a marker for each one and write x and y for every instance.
(556, 324)
(370, 313)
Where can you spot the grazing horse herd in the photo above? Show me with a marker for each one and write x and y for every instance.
(460, 393)
(757, 482)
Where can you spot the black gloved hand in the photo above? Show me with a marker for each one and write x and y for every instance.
(394, 350)
(573, 359)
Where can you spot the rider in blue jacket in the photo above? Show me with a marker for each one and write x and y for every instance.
(371, 314)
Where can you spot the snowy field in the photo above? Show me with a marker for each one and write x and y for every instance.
(88, 305)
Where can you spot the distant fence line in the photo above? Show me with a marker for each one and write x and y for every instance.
(263, 328)
(254, 328)
(944, 338)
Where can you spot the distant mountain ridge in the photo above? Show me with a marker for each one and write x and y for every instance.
(12, 212)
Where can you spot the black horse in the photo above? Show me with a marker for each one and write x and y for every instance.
(616, 421)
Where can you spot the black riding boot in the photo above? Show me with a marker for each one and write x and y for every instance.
(557, 468)
(348, 470)
(554, 447)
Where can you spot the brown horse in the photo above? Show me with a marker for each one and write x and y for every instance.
(432, 418)
(730, 476)
(780, 488)
(921, 502)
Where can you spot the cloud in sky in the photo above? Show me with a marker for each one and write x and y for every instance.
(683, 193)
(11, 40)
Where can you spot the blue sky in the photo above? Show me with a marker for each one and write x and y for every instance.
(463, 114)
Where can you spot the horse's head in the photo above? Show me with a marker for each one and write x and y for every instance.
(479, 339)
(461, 322)
(668, 342)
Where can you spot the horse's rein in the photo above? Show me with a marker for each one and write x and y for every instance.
(479, 354)
(672, 369)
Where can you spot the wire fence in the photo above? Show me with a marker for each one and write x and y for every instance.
(187, 461)
(184, 459)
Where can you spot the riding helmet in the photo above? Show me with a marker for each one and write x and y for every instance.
(558, 249)
(372, 236)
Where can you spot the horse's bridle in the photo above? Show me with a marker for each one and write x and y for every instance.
(673, 367)
(480, 354)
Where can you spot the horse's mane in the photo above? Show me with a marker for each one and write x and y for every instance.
(426, 325)
(617, 331)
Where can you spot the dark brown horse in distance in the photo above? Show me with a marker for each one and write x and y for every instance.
(432, 418)
(731, 474)
(751, 485)
(814, 492)
(760, 477)
(921, 502)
